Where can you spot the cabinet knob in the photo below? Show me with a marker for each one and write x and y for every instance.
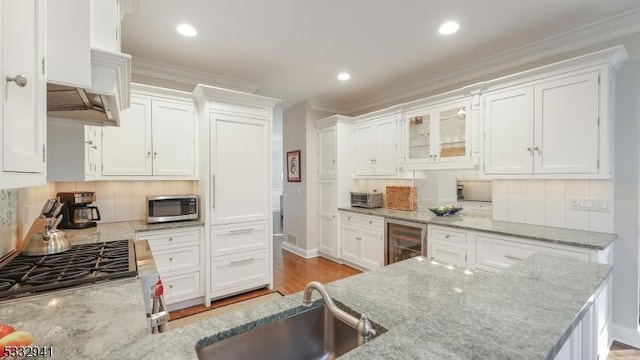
(155, 153)
(170, 286)
(170, 239)
(170, 259)
(89, 142)
(446, 236)
(19, 79)
(148, 154)
(370, 222)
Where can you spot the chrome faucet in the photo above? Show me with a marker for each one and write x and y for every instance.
(362, 325)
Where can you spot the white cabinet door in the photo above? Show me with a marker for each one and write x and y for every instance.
(68, 42)
(239, 272)
(173, 137)
(566, 125)
(327, 228)
(350, 241)
(93, 149)
(508, 132)
(240, 173)
(327, 153)
(365, 149)
(127, 150)
(22, 103)
(372, 248)
(385, 160)
(105, 25)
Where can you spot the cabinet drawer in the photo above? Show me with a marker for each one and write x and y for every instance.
(449, 236)
(233, 239)
(444, 252)
(182, 287)
(234, 273)
(494, 254)
(171, 239)
(349, 217)
(372, 221)
(177, 259)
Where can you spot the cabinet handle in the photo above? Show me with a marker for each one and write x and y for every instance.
(446, 236)
(242, 261)
(538, 150)
(148, 154)
(358, 238)
(530, 149)
(155, 154)
(19, 79)
(242, 231)
(513, 258)
(213, 191)
(94, 146)
(89, 142)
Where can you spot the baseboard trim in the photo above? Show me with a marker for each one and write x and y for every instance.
(625, 335)
(307, 254)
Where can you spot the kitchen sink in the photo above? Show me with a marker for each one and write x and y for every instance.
(311, 334)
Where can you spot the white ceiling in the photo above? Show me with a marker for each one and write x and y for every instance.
(293, 49)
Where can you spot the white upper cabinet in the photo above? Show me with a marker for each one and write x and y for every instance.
(438, 136)
(552, 122)
(327, 153)
(156, 137)
(23, 110)
(105, 24)
(375, 145)
(127, 149)
(508, 132)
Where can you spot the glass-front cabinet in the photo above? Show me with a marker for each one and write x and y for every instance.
(438, 136)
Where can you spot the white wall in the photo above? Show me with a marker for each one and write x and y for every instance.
(627, 197)
(546, 202)
(294, 201)
(125, 200)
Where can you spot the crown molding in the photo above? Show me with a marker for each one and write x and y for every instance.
(583, 37)
(323, 105)
(190, 77)
(205, 92)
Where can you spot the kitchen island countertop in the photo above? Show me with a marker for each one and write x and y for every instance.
(571, 237)
(431, 311)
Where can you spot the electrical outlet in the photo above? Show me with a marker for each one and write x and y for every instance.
(590, 204)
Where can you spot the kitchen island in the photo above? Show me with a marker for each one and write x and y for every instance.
(430, 311)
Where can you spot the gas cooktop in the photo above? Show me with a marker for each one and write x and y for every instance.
(82, 264)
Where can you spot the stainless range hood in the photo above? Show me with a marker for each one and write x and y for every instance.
(101, 104)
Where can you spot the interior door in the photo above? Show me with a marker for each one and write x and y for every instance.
(240, 183)
(173, 138)
(508, 132)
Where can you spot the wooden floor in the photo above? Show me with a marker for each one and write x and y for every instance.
(290, 274)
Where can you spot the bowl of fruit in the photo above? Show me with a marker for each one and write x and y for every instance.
(446, 210)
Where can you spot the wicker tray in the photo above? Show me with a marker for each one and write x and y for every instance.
(402, 197)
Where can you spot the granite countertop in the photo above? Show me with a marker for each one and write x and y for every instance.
(121, 230)
(579, 238)
(431, 311)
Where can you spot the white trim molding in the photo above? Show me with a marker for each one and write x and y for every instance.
(625, 335)
(307, 254)
(549, 49)
(158, 70)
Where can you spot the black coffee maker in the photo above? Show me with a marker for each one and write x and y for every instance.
(77, 211)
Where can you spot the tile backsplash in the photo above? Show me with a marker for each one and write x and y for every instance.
(125, 200)
(547, 202)
(8, 220)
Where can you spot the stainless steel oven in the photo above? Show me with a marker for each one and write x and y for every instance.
(403, 240)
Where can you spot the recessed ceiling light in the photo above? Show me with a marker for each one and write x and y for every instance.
(449, 28)
(186, 30)
(343, 76)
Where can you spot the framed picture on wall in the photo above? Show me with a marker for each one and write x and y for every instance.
(293, 166)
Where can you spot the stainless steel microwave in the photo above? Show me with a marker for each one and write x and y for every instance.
(366, 200)
(171, 208)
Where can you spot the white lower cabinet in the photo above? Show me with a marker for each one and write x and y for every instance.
(239, 272)
(178, 254)
(493, 253)
(240, 258)
(362, 240)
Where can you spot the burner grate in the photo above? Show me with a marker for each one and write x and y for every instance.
(80, 265)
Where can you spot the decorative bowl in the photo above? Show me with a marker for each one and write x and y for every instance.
(445, 210)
